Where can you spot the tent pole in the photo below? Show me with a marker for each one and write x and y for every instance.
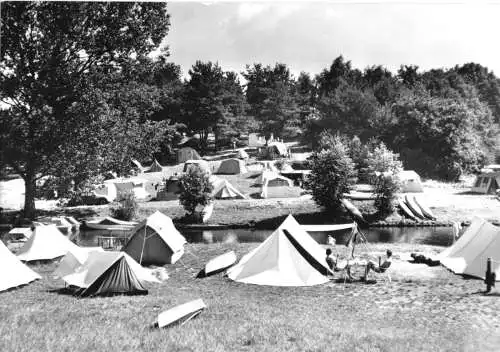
(143, 244)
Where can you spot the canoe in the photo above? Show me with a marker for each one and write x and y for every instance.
(220, 263)
(207, 212)
(415, 209)
(352, 209)
(406, 211)
(425, 209)
(180, 314)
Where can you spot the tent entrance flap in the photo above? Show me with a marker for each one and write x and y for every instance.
(306, 255)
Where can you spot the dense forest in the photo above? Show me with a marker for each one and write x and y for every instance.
(81, 95)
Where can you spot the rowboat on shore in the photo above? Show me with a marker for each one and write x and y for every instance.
(180, 314)
(406, 211)
(425, 209)
(218, 264)
(109, 223)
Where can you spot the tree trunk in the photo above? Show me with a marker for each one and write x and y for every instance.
(29, 196)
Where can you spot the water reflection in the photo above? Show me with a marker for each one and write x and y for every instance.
(437, 236)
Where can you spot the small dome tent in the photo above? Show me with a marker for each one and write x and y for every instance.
(225, 190)
(232, 167)
(155, 241)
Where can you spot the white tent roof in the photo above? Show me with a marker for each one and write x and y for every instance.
(289, 257)
(46, 242)
(469, 254)
(13, 272)
(280, 146)
(98, 262)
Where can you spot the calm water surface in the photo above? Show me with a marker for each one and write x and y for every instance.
(437, 236)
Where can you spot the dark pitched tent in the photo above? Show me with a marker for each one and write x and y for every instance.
(155, 167)
(109, 273)
(187, 153)
(155, 241)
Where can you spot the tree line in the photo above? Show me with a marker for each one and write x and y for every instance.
(82, 95)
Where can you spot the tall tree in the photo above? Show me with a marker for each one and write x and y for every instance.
(213, 101)
(271, 96)
(48, 52)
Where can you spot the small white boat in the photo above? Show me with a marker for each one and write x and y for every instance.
(406, 211)
(180, 314)
(424, 208)
(109, 223)
(19, 234)
(220, 263)
(207, 212)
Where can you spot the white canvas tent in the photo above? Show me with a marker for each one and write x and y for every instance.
(410, 182)
(13, 272)
(274, 180)
(486, 182)
(46, 243)
(155, 241)
(74, 259)
(288, 257)
(106, 273)
(232, 167)
(113, 189)
(225, 190)
(469, 254)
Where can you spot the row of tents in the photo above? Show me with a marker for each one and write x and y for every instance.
(288, 257)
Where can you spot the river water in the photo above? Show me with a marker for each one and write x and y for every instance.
(438, 236)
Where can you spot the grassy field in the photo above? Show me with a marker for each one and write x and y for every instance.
(423, 309)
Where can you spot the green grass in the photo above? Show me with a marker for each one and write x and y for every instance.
(416, 312)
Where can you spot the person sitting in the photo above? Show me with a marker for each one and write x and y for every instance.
(381, 268)
(332, 263)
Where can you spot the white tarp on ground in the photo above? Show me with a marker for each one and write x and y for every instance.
(155, 241)
(98, 262)
(13, 272)
(289, 257)
(480, 241)
(46, 243)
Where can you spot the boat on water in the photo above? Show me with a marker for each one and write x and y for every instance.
(219, 264)
(410, 202)
(109, 223)
(425, 209)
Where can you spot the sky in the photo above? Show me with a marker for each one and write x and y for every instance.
(308, 36)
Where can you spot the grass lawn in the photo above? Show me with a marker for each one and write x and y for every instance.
(423, 309)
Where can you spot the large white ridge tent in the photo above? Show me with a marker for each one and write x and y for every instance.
(13, 272)
(469, 254)
(155, 241)
(46, 243)
(289, 257)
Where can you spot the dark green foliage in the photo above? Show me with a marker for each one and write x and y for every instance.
(125, 208)
(196, 190)
(386, 187)
(332, 175)
(51, 54)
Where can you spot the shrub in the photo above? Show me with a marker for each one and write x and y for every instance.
(383, 160)
(386, 187)
(196, 189)
(125, 208)
(332, 175)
